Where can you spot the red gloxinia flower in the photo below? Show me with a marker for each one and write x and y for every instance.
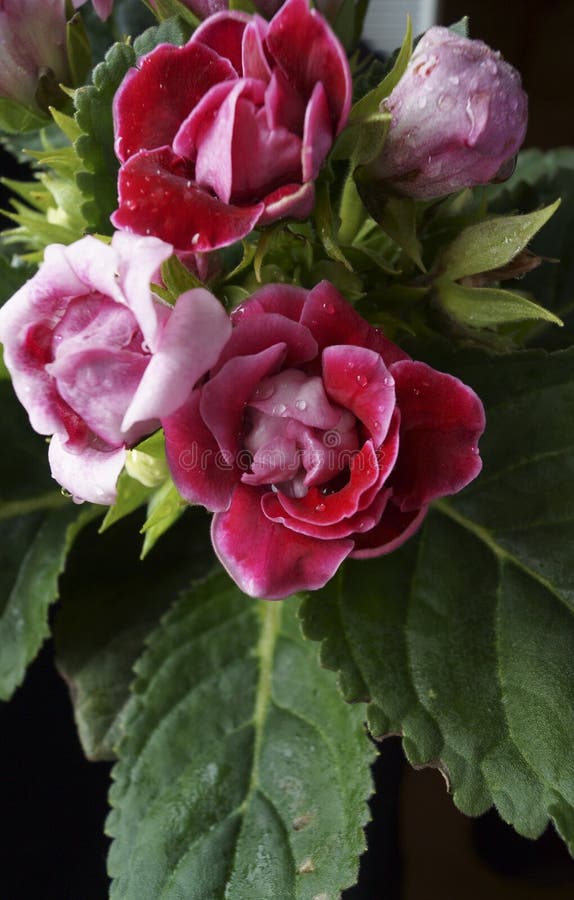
(315, 438)
(229, 131)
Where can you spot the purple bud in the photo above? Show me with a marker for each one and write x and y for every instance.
(459, 116)
(32, 42)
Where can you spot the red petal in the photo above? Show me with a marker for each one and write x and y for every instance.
(285, 299)
(293, 200)
(441, 422)
(317, 134)
(154, 99)
(223, 32)
(322, 509)
(196, 463)
(266, 559)
(362, 521)
(255, 333)
(157, 196)
(307, 51)
(393, 530)
(358, 380)
(332, 320)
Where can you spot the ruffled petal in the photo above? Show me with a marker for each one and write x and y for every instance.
(296, 27)
(197, 466)
(278, 562)
(188, 347)
(90, 474)
(223, 32)
(361, 521)
(254, 334)
(157, 196)
(284, 299)
(358, 380)
(154, 98)
(393, 530)
(442, 420)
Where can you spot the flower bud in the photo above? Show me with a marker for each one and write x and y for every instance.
(458, 117)
(32, 45)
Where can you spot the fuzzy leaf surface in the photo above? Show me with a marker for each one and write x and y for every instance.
(463, 640)
(242, 774)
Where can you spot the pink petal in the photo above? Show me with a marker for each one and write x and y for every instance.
(254, 61)
(319, 508)
(197, 466)
(293, 394)
(393, 530)
(223, 32)
(279, 562)
(332, 320)
(295, 201)
(99, 384)
(253, 333)
(157, 197)
(224, 397)
(277, 151)
(284, 299)
(441, 422)
(293, 30)
(191, 341)
(154, 98)
(89, 475)
(284, 107)
(358, 380)
(317, 135)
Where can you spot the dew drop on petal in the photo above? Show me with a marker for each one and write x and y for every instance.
(279, 409)
(264, 391)
(329, 308)
(365, 524)
(388, 380)
(320, 507)
(301, 405)
(362, 380)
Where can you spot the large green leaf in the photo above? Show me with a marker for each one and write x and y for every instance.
(463, 640)
(37, 528)
(242, 774)
(111, 600)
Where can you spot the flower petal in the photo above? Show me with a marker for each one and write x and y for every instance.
(442, 420)
(197, 466)
(157, 196)
(358, 380)
(89, 475)
(393, 530)
(255, 333)
(188, 347)
(279, 562)
(223, 32)
(317, 134)
(292, 200)
(154, 98)
(361, 521)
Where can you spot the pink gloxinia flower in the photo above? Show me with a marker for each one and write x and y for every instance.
(95, 358)
(229, 131)
(459, 116)
(32, 41)
(315, 438)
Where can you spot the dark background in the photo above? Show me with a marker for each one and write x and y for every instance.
(53, 802)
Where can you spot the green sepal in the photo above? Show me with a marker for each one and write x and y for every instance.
(397, 216)
(486, 307)
(15, 118)
(371, 102)
(177, 278)
(326, 225)
(165, 507)
(490, 244)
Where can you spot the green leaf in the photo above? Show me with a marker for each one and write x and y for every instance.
(370, 103)
(241, 773)
(110, 601)
(78, 50)
(166, 9)
(178, 278)
(165, 507)
(397, 216)
(37, 528)
(491, 244)
(326, 225)
(15, 118)
(463, 640)
(131, 494)
(486, 307)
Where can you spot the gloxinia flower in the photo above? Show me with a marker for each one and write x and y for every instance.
(315, 438)
(458, 117)
(95, 358)
(229, 131)
(32, 43)
(103, 8)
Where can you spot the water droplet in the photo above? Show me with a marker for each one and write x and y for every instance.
(301, 405)
(320, 508)
(188, 184)
(158, 171)
(329, 308)
(145, 347)
(376, 424)
(264, 391)
(388, 380)
(454, 79)
(445, 102)
(279, 409)
(365, 524)
(362, 380)
(148, 231)
(195, 238)
(416, 392)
